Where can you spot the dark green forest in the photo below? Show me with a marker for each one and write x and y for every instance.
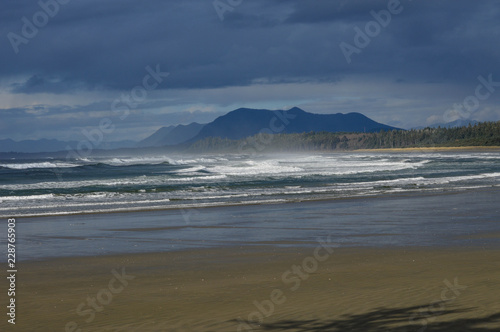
(481, 134)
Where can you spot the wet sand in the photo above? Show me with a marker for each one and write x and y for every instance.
(263, 288)
(444, 219)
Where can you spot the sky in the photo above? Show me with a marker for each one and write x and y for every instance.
(129, 67)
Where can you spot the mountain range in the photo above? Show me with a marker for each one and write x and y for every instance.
(452, 124)
(53, 145)
(237, 124)
(245, 122)
(172, 135)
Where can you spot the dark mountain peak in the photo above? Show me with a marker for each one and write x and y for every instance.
(258, 113)
(192, 124)
(244, 112)
(172, 135)
(354, 114)
(244, 122)
(241, 109)
(165, 130)
(296, 110)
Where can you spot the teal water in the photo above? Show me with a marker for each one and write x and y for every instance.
(49, 186)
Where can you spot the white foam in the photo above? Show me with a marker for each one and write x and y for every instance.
(25, 198)
(470, 177)
(253, 168)
(135, 181)
(45, 164)
(193, 169)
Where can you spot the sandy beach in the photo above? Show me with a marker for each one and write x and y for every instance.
(264, 288)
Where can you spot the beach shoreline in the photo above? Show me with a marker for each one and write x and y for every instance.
(398, 220)
(198, 206)
(393, 261)
(389, 263)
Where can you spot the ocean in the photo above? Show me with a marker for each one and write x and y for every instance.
(49, 187)
(179, 202)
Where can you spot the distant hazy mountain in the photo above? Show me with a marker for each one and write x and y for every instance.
(452, 124)
(117, 145)
(53, 145)
(246, 122)
(171, 135)
(42, 145)
(157, 137)
(238, 124)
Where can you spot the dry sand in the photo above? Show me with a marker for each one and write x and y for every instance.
(353, 289)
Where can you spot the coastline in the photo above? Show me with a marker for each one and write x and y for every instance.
(428, 260)
(437, 149)
(397, 220)
(201, 206)
(226, 289)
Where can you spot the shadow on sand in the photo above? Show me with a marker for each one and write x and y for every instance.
(410, 319)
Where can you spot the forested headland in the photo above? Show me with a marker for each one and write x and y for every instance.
(480, 134)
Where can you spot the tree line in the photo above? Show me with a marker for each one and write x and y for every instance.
(480, 134)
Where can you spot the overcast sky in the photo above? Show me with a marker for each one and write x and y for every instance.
(67, 65)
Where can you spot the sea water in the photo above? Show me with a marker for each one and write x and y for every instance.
(46, 186)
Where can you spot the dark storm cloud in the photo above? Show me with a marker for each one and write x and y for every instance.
(108, 43)
(40, 121)
(330, 11)
(47, 84)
